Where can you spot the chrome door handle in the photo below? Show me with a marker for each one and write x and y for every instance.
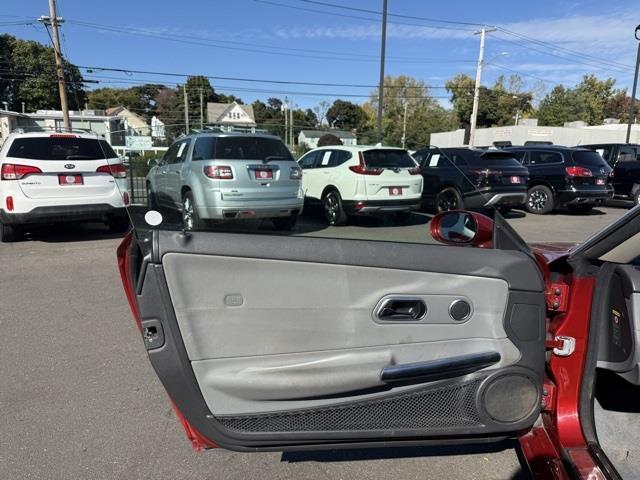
(402, 309)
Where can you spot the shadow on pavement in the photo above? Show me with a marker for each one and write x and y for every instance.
(69, 232)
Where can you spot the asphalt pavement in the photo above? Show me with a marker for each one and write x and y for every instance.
(79, 399)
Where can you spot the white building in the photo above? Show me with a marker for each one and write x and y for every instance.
(519, 134)
(310, 137)
(230, 114)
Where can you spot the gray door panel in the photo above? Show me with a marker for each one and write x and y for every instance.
(276, 342)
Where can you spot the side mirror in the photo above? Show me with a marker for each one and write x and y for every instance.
(152, 162)
(460, 227)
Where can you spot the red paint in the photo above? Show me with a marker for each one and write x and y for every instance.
(542, 456)
(124, 265)
(557, 297)
(567, 372)
(198, 441)
(9, 202)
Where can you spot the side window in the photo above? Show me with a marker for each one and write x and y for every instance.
(308, 161)
(338, 157)
(171, 154)
(324, 157)
(204, 148)
(520, 155)
(627, 154)
(544, 158)
(420, 156)
(181, 154)
(458, 160)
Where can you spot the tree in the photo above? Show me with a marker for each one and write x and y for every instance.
(346, 115)
(29, 76)
(168, 110)
(424, 114)
(270, 116)
(559, 106)
(328, 140)
(321, 112)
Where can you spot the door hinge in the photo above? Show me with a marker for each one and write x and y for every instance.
(557, 296)
(562, 346)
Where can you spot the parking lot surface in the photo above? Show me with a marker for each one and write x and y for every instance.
(80, 400)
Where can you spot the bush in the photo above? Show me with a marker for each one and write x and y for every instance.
(328, 140)
(138, 164)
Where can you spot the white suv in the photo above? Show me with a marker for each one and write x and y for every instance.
(58, 177)
(358, 180)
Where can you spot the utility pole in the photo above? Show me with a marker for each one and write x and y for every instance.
(201, 110)
(186, 108)
(286, 121)
(404, 125)
(291, 124)
(632, 105)
(383, 47)
(54, 21)
(476, 91)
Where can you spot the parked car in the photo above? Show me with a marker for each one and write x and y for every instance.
(577, 178)
(625, 160)
(60, 177)
(272, 342)
(458, 178)
(224, 176)
(360, 180)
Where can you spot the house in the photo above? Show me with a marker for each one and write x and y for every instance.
(133, 123)
(310, 138)
(231, 114)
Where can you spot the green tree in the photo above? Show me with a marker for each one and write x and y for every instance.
(346, 115)
(559, 106)
(29, 76)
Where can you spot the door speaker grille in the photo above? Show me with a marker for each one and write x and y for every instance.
(447, 407)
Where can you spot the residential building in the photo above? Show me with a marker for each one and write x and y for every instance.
(231, 114)
(310, 138)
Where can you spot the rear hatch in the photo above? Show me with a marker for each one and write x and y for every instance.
(63, 166)
(390, 174)
(262, 169)
(588, 170)
(499, 170)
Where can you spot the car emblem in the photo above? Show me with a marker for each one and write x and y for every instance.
(602, 170)
(69, 166)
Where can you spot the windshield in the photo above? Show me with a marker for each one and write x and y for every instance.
(588, 158)
(250, 148)
(386, 158)
(60, 148)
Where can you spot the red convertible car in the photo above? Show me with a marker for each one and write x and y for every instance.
(277, 342)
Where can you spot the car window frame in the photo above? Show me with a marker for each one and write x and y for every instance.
(553, 152)
(172, 149)
(313, 153)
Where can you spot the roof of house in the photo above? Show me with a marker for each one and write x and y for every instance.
(217, 111)
(320, 133)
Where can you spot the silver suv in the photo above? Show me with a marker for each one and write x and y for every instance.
(225, 176)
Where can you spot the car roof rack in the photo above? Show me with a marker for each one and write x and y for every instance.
(45, 129)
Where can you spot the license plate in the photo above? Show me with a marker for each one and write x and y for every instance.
(395, 191)
(70, 179)
(263, 174)
(599, 181)
(515, 179)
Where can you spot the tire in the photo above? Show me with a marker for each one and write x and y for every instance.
(190, 219)
(118, 224)
(285, 224)
(540, 200)
(580, 208)
(449, 199)
(9, 233)
(334, 214)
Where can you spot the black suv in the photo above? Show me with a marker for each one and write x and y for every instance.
(625, 161)
(576, 177)
(456, 178)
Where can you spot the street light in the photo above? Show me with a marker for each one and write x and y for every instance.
(632, 103)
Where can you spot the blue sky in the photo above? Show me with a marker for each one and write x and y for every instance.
(303, 41)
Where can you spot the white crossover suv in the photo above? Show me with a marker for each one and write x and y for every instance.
(359, 180)
(60, 177)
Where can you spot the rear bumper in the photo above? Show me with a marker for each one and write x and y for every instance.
(506, 199)
(352, 207)
(63, 213)
(229, 212)
(584, 196)
(494, 197)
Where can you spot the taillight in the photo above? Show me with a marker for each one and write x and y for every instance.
(11, 171)
(219, 172)
(579, 172)
(62, 135)
(117, 170)
(9, 202)
(295, 173)
(362, 169)
(415, 171)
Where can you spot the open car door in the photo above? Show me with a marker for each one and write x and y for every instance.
(271, 341)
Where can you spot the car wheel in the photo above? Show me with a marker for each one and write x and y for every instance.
(540, 200)
(580, 208)
(285, 223)
(332, 208)
(449, 199)
(9, 233)
(190, 219)
(118, 224)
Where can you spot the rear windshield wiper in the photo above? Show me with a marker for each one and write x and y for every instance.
(268, 158)
(80, 157)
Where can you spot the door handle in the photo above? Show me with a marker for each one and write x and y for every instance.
(402, 309)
